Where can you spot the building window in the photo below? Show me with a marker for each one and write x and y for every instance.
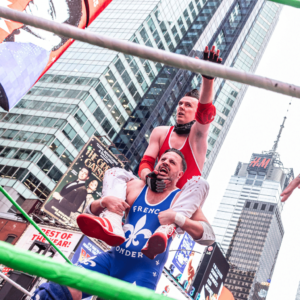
(263, 207)
(10, 239)
(250, 182)
(271, 208)
(247, 204)
(255, 205)
(258, 183)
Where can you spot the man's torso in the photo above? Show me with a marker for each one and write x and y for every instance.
(127, 259)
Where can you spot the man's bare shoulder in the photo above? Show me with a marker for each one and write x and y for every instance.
(160, 129)
(134, 188)
(135, 184)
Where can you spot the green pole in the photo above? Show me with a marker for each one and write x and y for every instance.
(32, 222)
(294, 3)
(81, 279)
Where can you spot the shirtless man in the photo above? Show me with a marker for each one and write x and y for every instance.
(146, 211)
(195, 112)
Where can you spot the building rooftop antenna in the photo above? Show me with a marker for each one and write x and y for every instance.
(275, 146)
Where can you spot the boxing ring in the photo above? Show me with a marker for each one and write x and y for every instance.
(67, 274)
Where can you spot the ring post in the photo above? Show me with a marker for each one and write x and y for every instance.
(90, 282)
(4, 192)
(13, 283)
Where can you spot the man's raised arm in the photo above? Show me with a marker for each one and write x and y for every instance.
(206, 111)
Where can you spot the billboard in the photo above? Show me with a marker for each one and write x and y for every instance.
(65, 240)
(82, 183)
(259, 163)
(261, 290)
(184, 258)
(181, 257)
(211, 274)
(168, 288)
(26, 52)
(85, 249)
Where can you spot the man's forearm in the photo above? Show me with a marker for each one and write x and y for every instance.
(96, 208)
(144, 172)
(193, 228)
(207, 91)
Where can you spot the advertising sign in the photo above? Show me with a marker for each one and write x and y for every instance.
(5, 270)
(82, 183)
(183, 262)
(259, 163)
(65, 240)
(167, 288)
(261, 290)
(182, 257)
(85, 249)
(211, 275)
(26, 52)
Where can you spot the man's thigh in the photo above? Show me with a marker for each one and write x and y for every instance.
(101, 264)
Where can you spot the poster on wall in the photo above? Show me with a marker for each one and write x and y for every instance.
(27, 52)
(65, 240)
(85, 249)
(181, 257)
(82, 183)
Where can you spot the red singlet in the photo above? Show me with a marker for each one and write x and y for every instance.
(186, 150)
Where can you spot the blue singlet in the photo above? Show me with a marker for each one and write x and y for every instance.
(126, 261)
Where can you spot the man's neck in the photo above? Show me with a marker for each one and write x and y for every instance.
(154, 198)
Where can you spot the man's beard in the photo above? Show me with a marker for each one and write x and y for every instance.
(183, 128)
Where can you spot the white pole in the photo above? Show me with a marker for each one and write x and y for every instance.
(15, 285)
(156, 55)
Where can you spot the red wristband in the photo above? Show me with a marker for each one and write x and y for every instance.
(147, 162)
(205, 113)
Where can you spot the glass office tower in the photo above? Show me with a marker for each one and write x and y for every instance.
(248, 224)
(298, 293)
(91, 90)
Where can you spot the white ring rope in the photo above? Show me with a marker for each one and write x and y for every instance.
(15, 284)
(156, 55)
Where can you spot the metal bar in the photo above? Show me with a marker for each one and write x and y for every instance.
(156, 55)
(294, 3)
(4, 192)
(15, 284)
(81, 279)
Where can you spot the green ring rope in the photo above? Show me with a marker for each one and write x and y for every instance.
(294, 3)
(81, 279)
(4, 192)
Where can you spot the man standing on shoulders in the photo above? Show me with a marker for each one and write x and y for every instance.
(195, 112)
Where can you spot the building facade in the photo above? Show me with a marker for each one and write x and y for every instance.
(248, 224)
(298, 293)
(91, 90)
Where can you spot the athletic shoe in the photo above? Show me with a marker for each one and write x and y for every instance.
(107, 227)
(158, 242)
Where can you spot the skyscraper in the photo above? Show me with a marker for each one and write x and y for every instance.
(93, 90)
(298, 293)
(248, 223)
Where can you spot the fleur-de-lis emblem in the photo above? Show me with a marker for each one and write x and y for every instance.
(135, 231)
